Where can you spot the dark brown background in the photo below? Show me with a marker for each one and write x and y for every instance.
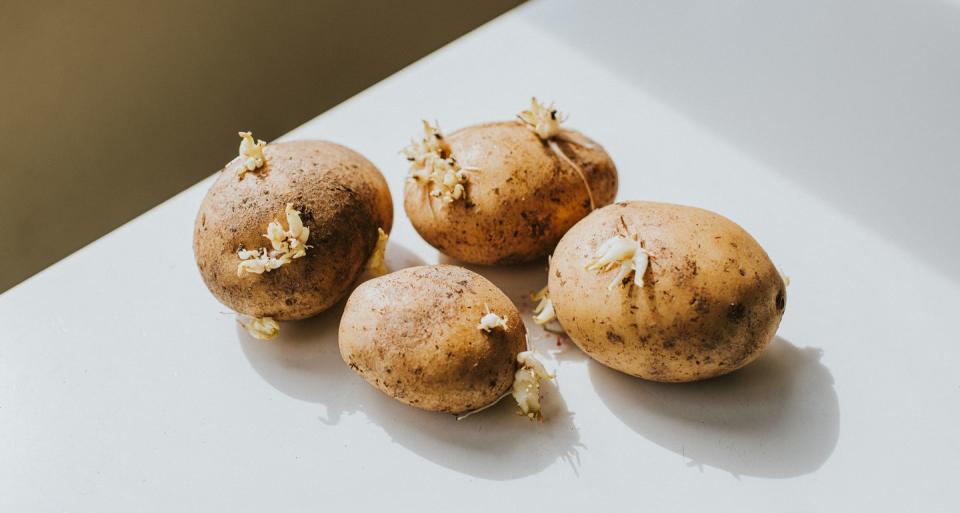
(111, 107)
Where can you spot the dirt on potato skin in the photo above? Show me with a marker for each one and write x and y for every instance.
(342, 198)
(413, 335)
(521, 201)
(711, 302)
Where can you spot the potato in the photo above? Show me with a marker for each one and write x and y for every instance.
(665, 292)
(340, 198)
(503, 193)
(440, 338)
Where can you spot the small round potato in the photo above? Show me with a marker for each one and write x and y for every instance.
(341, 198)
(440, 338)
(665, 292)
(520, 193)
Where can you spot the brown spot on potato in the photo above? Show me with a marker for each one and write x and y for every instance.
(736, 312)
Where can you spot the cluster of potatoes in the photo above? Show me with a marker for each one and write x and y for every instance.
(664, 292)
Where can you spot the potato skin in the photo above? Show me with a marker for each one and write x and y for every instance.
(523, 199)
(342, 198)
(413, 335)
(711, 302)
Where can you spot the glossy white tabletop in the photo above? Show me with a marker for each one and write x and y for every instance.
(828, 130)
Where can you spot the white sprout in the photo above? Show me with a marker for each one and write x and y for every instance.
(376, 264)
(251, 153)
(491, 321)
(543, 119)
(432, 165)
(626, 254)
(286, 245)
(544, 310)
(526, 384)
(263, 328)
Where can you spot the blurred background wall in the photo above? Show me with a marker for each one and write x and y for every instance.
(111, 107)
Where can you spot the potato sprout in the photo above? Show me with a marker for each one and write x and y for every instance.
(491, 321)
(624, 253)
(526, 384)
(432, 164)
(544, 310)
(263, 328)
(376, 264)
(545, 121)
(286, 245)
(251, 154)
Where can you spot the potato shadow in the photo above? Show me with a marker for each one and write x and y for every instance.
(304, 362)
(494, 444)
(776, 418)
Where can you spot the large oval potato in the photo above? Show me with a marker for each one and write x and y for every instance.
(415, 335)
(709, 303)
(341, 197)
(520, 195)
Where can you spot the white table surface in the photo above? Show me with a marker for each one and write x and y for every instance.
(828, 131)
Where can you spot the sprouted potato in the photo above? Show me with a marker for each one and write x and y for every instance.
(664, 292)
(502, 193)
(440, 338)
(286, 228)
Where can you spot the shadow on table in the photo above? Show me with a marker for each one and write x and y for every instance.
(778, 417)
(304, 363)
